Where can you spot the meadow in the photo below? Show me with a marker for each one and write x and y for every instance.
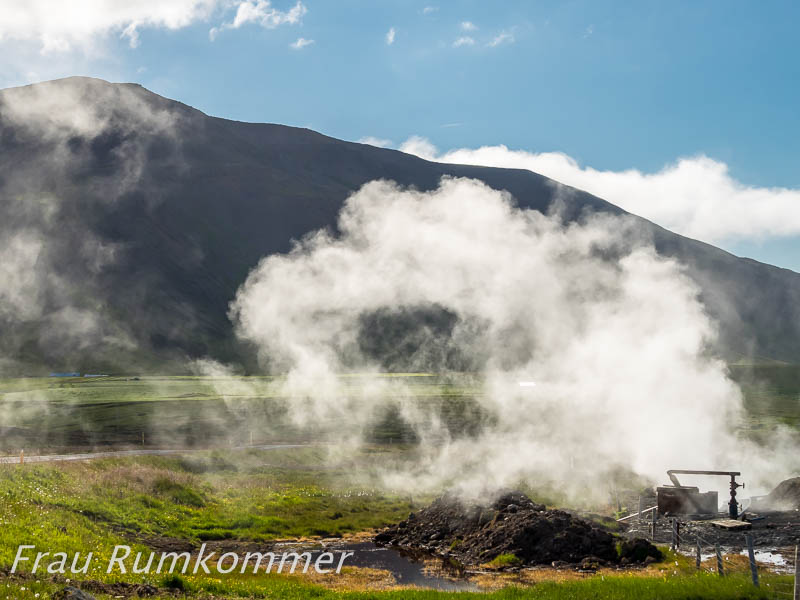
(45, 414)
(42, 414)
(230, 495)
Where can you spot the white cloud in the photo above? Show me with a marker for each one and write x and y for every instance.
(464, 41)
(429, 9)
(80, 26)
(420, 146)
(468, 26)
(374, 141)
(300, 43)
(261, 12)
(390, 36)
(504, 37)
(694, 196)
(63, 26)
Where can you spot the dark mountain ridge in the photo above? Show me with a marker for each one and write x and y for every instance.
(128, 221)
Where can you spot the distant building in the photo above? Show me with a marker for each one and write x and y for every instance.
(95, 375)
(65, 374)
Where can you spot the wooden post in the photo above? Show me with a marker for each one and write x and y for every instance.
(752, 555)
(22, 457)
(674, 534)
(698, 553)
(720, 569)
(796, 575)
(641, 508)
(142, 438)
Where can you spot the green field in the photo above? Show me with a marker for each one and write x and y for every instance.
(53, 415)
(771, 393)
(238, 496)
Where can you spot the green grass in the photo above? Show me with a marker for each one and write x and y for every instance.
(201, 498)
(505, 560)
(78, 507)
(626, 587)
(770, 395)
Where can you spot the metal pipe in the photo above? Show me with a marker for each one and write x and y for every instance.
(733, 505)
(646, 510)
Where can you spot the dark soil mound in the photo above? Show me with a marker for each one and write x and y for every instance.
(638, 550)
(512, 525)
(784, 497)
(71, 593)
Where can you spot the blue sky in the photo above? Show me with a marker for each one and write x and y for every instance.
(624, 90)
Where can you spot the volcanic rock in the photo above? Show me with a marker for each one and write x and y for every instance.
(512, 525)
(72, 593)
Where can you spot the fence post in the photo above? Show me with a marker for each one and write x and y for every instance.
(796, 576)
(751, 553)
(698, 553)
(720, 569)
(674, 543)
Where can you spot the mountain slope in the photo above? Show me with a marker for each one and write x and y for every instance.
(128, 221)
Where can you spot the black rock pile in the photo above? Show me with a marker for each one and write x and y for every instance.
(512, 525)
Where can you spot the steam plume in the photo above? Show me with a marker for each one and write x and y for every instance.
(613, 335)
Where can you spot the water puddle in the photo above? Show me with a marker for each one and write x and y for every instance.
(425, 572)
(773, 559)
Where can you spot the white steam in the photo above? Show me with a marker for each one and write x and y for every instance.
(613, 335)
(60, 112)
(77, 143)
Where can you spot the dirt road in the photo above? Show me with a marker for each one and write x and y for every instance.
(120, 453)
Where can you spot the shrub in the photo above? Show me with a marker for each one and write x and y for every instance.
(506, 560)
(178, 493)
(174, 582)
